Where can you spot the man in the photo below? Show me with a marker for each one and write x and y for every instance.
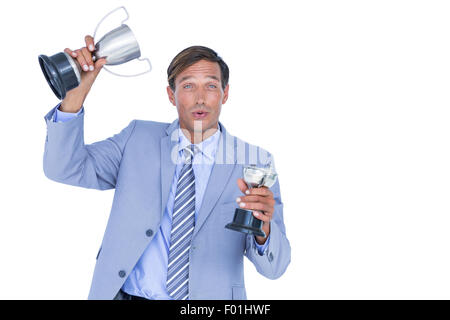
(177, 186)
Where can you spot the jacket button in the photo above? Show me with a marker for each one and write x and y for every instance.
(270, 257)
(122, 273)
(149, 232)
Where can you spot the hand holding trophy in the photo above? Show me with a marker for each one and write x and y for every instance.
(63, 72)
(244, 221)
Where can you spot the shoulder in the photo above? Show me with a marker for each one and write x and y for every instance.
(145, 130)
(243, 152)
(153, 125)
(150, 127)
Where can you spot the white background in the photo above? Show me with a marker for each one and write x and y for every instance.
(352, 98)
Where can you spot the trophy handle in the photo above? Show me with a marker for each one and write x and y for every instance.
(103, 19)
(140, 59)
(132, 75)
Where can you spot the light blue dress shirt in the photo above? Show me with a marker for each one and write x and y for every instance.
(148, 278)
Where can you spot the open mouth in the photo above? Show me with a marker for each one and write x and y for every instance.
(200, 114)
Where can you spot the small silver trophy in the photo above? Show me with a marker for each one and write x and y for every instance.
(63, 73)
(243, 220)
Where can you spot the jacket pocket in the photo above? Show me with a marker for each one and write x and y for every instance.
(98, 253)
(226, 211)
(238, 293)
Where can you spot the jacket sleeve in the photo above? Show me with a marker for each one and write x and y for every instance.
(277, 256)
(68, 160)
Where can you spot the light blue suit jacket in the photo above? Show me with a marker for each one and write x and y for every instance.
(138, 163)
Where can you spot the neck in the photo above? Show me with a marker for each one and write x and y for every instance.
(197, 135)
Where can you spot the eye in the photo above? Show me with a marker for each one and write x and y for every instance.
(187, 86)
(212, 86)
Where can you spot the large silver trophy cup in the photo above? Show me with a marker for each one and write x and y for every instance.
(243, 220)
(63, 73)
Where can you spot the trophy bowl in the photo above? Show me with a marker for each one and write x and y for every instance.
(243, 220)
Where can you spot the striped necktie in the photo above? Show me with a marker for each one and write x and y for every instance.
(183, 222)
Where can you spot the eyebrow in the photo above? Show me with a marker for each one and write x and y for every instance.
(188, 77)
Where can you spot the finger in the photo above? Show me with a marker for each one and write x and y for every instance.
(261, 216)
(99, 64)
(263, 191)
(256, 206)
(70, 52)
(88, 57)
(246, 199)
(242, 185)
(81, 60)
(249, 199)
(89, 43)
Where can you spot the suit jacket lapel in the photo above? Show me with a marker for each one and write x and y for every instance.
(168, 163)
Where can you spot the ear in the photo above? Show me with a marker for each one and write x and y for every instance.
(225, 94)
(171, 95)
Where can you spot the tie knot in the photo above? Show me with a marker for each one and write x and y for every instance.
(189, 152)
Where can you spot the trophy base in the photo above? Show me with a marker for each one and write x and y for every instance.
(61, 73)
(245, 222)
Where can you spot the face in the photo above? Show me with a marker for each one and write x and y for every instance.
(198, 97)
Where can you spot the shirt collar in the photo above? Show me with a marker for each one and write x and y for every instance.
(208, 147)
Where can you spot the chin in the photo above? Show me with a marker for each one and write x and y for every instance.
(202, 125)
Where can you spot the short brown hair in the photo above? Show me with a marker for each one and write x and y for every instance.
(191, 55)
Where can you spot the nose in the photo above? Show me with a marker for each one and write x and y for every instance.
(200, 96)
